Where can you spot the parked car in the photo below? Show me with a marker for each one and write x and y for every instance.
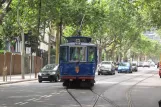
(140, 64)
(160, 73)
(125, 67)
(134, 66)
(158, 65)
(106, 67)
(50, 72)
(146, 64)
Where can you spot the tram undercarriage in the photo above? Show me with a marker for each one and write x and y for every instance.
(78, 83)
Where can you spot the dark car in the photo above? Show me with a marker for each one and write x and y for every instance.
(50, 73)
(134, 66)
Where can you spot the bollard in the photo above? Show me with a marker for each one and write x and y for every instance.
(5, 73)
(159, 103)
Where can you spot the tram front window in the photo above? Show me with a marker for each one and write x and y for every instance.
(77, 53)
(91, 54)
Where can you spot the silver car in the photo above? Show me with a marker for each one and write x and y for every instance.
(106, 67)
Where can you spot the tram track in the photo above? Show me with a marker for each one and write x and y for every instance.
(113, 76)
(107, 99)
(74, 97)
(112, 103)
(128, 93)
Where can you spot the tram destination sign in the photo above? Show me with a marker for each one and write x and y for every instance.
(78, 39)
(77, 42)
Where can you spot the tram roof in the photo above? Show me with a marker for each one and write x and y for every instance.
(81, 38)
(82, 44)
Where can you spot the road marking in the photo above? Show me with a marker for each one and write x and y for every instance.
(48, 96)
(23, 103)
(19, 103)
(31, 99)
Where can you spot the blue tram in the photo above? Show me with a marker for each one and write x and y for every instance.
(78, 61)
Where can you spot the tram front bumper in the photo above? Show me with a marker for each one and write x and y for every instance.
(72, 78)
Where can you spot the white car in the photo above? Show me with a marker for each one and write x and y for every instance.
(146, 64)
(106, 67)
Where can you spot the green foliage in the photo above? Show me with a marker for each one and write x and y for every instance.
(113, 24)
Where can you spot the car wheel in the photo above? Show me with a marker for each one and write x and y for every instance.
(56, 79)
(160, 76)
(98, 73)
(40, 81)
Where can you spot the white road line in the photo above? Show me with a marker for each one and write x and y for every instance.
(19, 103)
(48, 96)
(31, 99)
(24, 103)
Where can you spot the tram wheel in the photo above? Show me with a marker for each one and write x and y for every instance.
(65, 83)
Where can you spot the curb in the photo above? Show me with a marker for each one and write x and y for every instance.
(17, 81)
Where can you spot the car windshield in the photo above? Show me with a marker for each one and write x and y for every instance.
(49, 67)
(106, 63)
(124, 64)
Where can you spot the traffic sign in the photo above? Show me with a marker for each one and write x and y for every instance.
(28, 50)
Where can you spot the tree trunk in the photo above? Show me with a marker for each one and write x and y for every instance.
(49, 49)
(57, 44)
(106, 53)
(23, 43)
(23, 56)
(100, 55)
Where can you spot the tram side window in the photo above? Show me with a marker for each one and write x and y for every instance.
(91, 54)
(77, 53)
(63, 54)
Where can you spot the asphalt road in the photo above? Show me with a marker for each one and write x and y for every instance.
(139, 89)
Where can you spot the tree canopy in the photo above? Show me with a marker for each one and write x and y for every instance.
(116, 26)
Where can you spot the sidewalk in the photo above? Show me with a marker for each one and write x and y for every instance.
(17, 78)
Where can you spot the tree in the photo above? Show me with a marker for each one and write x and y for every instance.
(4, 8)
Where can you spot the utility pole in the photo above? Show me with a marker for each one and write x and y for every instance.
(23, 43)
